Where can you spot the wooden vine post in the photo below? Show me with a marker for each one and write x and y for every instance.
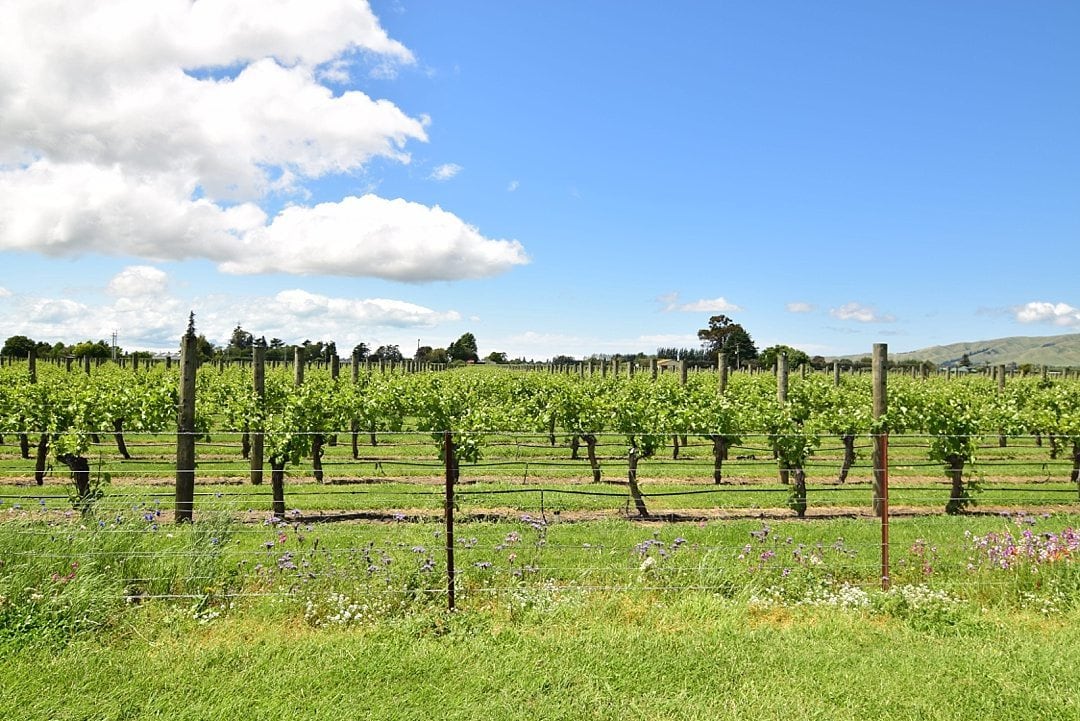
(781, 371)
(881, 455)
(448, 514)
(185, 427)
(335, 375)
(1003, 440)
(781, 379)
(298, 366)
(258, 377)
(43, 440)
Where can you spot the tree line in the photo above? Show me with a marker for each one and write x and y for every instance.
(723, 337)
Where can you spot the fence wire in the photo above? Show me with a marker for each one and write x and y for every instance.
(532, 521)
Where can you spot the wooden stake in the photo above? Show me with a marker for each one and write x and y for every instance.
(185, 429)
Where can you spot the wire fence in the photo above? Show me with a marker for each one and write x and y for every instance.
(526, 519)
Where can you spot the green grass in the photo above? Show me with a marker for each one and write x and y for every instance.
(635, 656)
(134, 619)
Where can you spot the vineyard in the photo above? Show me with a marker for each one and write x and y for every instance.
(337, 498)
(302, 438)
(509, 453)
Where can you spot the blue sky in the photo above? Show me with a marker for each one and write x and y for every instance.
(555, 177)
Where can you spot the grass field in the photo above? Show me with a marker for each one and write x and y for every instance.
(635, 656)
(720, 606)
(596, 619)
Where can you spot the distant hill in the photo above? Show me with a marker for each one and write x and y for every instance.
(1054, 350)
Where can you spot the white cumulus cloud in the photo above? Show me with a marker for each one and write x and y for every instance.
(374, 311)
(165, 130)
(1061, 314)
(671, 304)
(394, 239)
(800, 307)
(445, 171)
(51, 311)
(860, 313)
(119, 82)
(137, 281)
(145, 318)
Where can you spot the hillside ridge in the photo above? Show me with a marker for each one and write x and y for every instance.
(1054, 350)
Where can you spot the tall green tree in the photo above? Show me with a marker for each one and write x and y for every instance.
(205, 350)
(795, 357)
(239, 343)
(464, 348)
(18, 345)
(427, 354)
(89, 349)
(724, 337)
(387, 353)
